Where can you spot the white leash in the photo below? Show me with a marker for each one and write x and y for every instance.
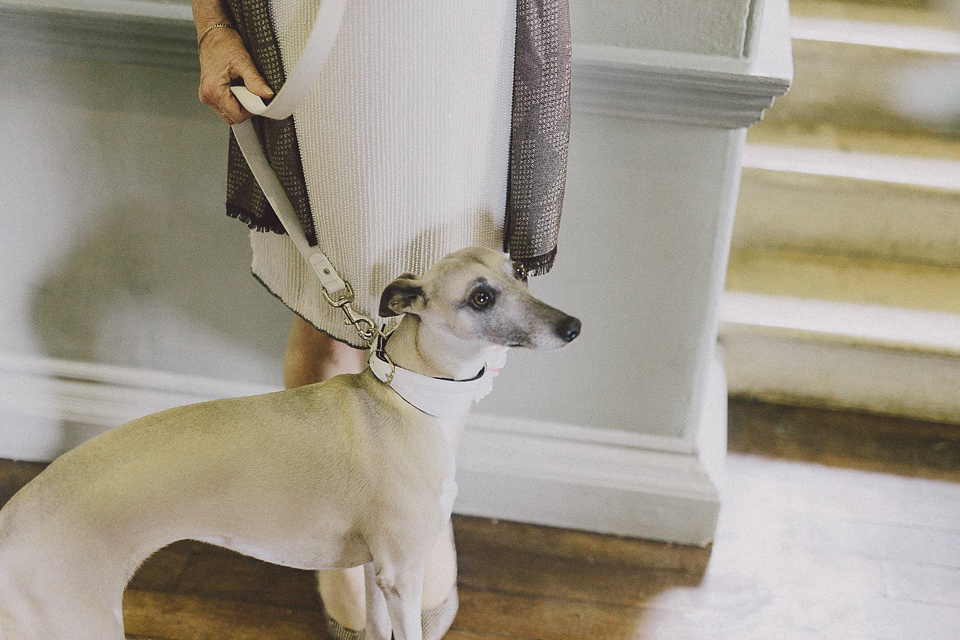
(319, 44)
(315, 52)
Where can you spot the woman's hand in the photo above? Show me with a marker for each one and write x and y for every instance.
(224, 58)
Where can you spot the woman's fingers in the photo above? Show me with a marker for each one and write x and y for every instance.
(220, 103)
(252, 79)
(223, 58)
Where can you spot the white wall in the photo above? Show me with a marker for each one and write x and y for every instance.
(115, 246)
(712, 27)
(120, 254)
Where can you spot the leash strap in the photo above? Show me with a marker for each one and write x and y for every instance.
(315, 53)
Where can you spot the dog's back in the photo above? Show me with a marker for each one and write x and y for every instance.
(71, 539)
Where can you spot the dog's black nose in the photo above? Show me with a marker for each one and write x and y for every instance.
(569, 329)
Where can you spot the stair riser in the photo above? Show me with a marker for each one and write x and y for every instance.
(850, 84)
(845, 280)
(808, 371)
(845, 216)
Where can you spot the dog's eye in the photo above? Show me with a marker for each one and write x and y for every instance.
(481, 299)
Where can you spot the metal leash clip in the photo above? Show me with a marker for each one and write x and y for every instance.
(365, 326)
(367, 329)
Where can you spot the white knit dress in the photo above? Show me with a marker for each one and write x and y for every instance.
(404, 141)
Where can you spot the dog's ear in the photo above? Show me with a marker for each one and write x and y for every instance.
(403, 295)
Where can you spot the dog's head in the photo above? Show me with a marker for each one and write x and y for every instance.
(479, 294)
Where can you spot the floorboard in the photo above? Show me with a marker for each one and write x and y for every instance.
(834, 525)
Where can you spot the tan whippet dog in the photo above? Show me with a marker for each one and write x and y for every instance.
(336, 474)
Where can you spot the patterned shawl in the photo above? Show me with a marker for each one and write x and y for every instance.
(538, 145)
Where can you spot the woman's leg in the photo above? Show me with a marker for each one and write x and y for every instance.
(313, 356)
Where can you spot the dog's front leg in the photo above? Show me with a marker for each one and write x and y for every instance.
(402, 589)
(378, 619)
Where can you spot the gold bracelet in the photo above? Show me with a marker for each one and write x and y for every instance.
(219, 25)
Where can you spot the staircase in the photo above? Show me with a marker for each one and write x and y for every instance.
(843, 288)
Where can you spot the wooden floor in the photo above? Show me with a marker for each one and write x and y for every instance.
(833, 526)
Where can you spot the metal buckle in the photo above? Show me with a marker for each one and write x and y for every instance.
(380, 348)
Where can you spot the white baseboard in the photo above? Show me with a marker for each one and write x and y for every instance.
(601, 480)
(49, 406)
(559, 475)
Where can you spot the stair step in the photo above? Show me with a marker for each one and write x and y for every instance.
(913, 170)
(869, 69)
(931, 13)
(841, 332)
(852, 324)
(921, 36)
(890, 196)
(837, 331)
(826, 135)
(843, 287)
(842, 355)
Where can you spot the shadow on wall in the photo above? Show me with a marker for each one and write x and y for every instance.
(128, 258)
(169, 292)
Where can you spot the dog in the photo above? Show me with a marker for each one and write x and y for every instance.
(332, 475)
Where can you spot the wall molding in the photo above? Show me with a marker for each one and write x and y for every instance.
(552, 474)
(601, 480)
(671, 87)
(158, 34)
(716, 91)
(48, 406)
(656, 85)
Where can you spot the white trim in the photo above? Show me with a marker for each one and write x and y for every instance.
(48, 406)
(601, 480)
(560, 475)
(937, 173)
(673, 86)
(545, 479)
(614, 82)
(677, 87)
(925, 39)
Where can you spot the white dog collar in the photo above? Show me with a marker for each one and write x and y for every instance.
(438, 397)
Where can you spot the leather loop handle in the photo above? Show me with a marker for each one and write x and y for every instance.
(319, 44)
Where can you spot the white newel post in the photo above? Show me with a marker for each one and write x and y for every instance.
(625, 432)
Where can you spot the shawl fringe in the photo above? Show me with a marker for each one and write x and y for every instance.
(539, 265)
(255, 222)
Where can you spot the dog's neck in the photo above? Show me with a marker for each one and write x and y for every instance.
(436, 385)
(418, 347)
